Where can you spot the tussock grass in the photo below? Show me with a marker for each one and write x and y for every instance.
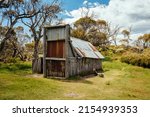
(20, 67)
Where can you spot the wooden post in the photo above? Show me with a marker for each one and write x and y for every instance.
(44, 53)
(67, 35)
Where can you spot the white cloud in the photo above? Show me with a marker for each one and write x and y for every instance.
(125, 13)
(85, 2)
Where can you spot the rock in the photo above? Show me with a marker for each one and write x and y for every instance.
(100, 75)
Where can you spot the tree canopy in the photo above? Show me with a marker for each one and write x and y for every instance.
(98, 32)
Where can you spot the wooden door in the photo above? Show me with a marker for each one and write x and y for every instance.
(56, 68)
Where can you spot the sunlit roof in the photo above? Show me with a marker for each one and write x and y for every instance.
(85, 49)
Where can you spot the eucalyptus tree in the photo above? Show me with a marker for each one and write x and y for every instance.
(98, 32)
(126, 33)
(144, 40)
(13, 13)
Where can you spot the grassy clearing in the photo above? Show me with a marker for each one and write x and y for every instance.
(121, 81)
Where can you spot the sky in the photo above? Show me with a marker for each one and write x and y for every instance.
(125, 13)
(75, 4)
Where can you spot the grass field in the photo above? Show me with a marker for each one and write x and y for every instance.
(121, 81)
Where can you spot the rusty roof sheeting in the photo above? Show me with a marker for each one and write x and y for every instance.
(85, 49)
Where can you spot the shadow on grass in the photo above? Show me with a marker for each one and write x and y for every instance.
(75, 79)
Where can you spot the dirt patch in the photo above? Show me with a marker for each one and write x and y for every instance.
(71, 94)
(35, 76)
(113, 74)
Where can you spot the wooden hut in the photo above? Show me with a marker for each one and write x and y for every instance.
(66, 56)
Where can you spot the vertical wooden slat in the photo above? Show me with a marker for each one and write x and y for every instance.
(57, 49)
(60, 49)
(67, 36)
(44, 54)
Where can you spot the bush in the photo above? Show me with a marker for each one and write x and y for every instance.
(108, 58)
(138, 59)
(18, 67)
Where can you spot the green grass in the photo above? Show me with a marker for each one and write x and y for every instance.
(121, 81)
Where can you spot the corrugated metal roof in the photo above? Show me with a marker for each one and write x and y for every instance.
(85, 49)
(56, 34)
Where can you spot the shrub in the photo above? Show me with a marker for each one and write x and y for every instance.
(138, 59)
(108, 58)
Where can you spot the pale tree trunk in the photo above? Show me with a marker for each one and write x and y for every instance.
(35, 57)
